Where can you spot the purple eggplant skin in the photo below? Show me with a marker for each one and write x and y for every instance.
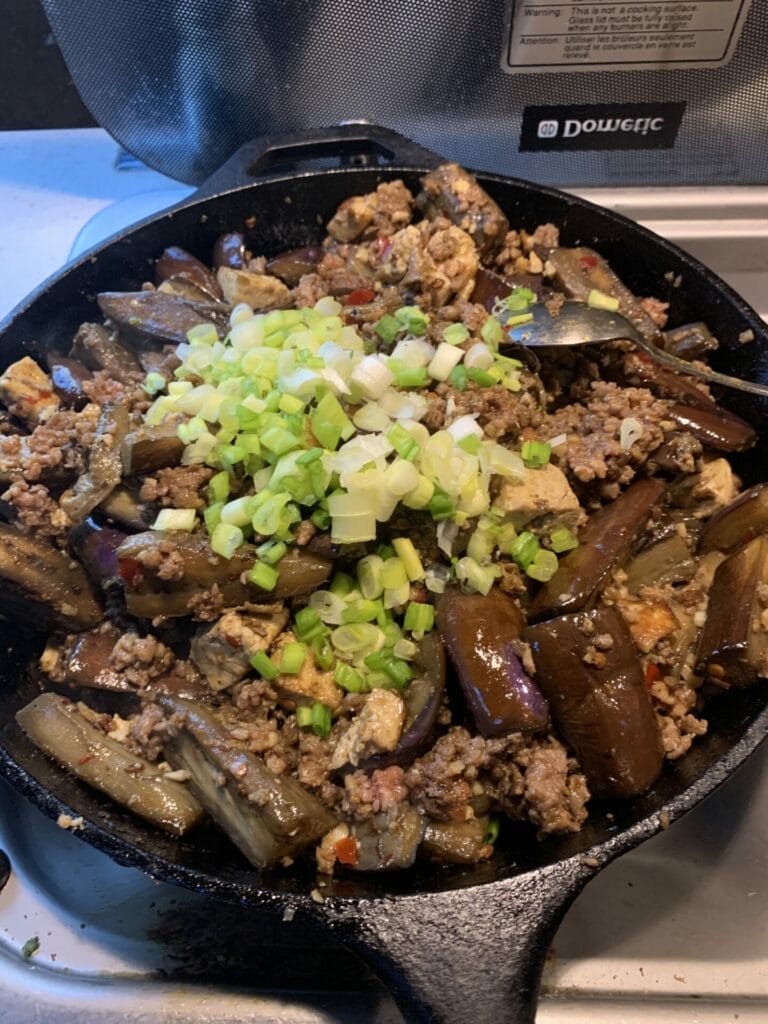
(716, 428)
(148, 596)
(292, 265)
(604, 543)
(490, 287)
(176, 261)
(689, 341)
(68, 376)
(159, 317)
(41, 588)
(600, 705)
(641, 371)
(738, 523)
(96, 348)
(422, 701)
(149, 448)
(733, 646)
(87, 664)
(54, 724)
(267, 816)
(385, 844)
(229, 251)
(478, 632)
(95, 547)
(579, 270)
(452, 192)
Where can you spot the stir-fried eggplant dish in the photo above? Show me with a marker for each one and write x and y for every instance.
(323, 557)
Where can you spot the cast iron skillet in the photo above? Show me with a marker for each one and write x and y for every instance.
(453, 942)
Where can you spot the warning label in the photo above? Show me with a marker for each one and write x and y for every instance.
(544, 34)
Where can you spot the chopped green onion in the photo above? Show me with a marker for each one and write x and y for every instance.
(362, 610)
(399, 671)
(307, 625)
(409, 556)
(481, 377)
(471, 444)
(30, 946)
(321, 719)
(369, 576)
(264, 665)
(405, 649)
(441, 506)
(348, 678)
(387, 328)
(411, 377)
(322, 652)
(393, 574)
(491, 332)
(308, 457)
(385, 551)
(518, 319)
(238, 512)
(153, 383)
(458, 377)
(226, 539)
(561, 539)
(290, 404)
(492, 832)
(212, 516)
(523, 549)
(599, 300)
(419, 619)
(272, 551)
(218, 486)
(342, 584)
(379, 681)
(304, 716)
(403, 442)
(263, 576)
(543, 567)
(330, 423)
(455, 334)
(535, 454)
(357, 639)
(175, 519)
(519, 298)
(292, 656)
(412, 318)
(478, 577)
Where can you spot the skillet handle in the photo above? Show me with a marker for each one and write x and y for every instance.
(472, 954)
(357, 144)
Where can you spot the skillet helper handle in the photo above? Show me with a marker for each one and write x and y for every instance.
(357, 144)
(473, 954)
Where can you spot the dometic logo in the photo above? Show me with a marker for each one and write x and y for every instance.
(609, 126)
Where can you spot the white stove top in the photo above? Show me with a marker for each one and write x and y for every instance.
(676, 931)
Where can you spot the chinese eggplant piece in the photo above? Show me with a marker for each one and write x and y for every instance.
(479, 632)
(604, 543)
(599, 700)
(733, 647)
(54, 724)
(268, 817)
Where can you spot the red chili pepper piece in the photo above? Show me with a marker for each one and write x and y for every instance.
(86, 759)
(360, 296)
(589, 262)
(346, 851)
(131, 571)
(652, 674)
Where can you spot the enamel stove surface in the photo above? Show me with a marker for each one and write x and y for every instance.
(676, 931)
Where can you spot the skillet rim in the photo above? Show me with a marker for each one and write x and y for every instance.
(266, 894)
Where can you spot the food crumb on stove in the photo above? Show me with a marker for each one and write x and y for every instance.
(680, 978)
(589, 862)
(288, 914)
(317, 896)
(67, 821)
(664, 819)
(30, 946)
(746, 336)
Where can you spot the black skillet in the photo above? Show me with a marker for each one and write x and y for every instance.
(451, 943)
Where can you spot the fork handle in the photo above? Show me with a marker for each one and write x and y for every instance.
(714, 376)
